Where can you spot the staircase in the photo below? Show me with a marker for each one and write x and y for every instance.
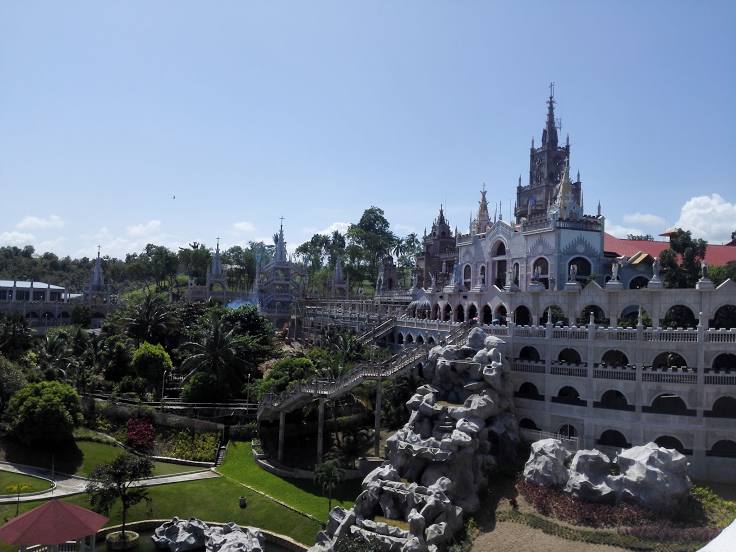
(303, 393)
(378, 331)
(220, 454)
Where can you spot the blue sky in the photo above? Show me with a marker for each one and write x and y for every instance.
(247, 111)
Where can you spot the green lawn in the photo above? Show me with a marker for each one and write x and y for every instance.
(10, 478)
(303, 495)
(78, 457)
(207, 499)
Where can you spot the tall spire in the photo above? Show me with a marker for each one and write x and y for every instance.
(96, 280)
(280, 255)
(484, 219)
(549, 135)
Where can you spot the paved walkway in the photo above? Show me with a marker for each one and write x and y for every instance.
(67, 485)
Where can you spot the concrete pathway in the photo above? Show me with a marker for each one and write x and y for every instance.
(67, 485)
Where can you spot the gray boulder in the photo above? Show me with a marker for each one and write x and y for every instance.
(546, 464)
(179, 535)
(231, 538)
(588, 477)
(476, 339)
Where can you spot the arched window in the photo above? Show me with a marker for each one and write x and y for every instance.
(568, 431)
(669, 360)
(583, 268)
(499, 318)
(725, 361)
(522, 316)
(638, 282)
(725, 317)
(669, 442)
(679, 316)
(499, 249)
(430, 340)
(569, 395)
(400, 339)
(669, 403)
(472, 312)
(614, 357)
(459, 314)
(483, 275)
(436, 312)
(420, 339)
(613, 438)
(467, 277)
(540, 271)
(724, 407)
(614, 400)
(487, 314)
(516, 274)
(528, 390)
(570, 356)
(447, 313)
(558, 316)
(630, 317)
(723, 449)
(526, 423)
(529, 353)
(409, 338)
(599, 317)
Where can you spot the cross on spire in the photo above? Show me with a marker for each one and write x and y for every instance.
(98, 251)
(552, 89)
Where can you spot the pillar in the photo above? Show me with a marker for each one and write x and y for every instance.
(282, 427)
(320, 430)
(377, 426)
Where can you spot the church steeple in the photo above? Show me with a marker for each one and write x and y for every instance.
(96, 281)
(483, 219)
(549, 135)
(280, 254)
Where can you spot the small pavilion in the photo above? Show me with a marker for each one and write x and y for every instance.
(56, 526)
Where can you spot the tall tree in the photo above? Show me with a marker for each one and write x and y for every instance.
(681, 262)
(373, 238)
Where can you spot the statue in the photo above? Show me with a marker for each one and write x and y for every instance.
(656, 267)
(573, 274)
(432, 279)
(537, 273)
(414, 281)
(704, 269)
(614, 271)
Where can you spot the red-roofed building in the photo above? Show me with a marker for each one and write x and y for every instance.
(715, 255)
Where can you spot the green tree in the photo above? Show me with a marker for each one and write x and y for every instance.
(314, 251)
(246, 320)
(117, 358)
(12, 379)
(372, 239)
(44, 413)
(113, 481)
(150, 362)
(195, 259)
(17, 489)
(224, 353)
(681, 262)
(328, 476)
(202, 387)
(81, 316)
(151, 320)
(15, 335)
(285, 371)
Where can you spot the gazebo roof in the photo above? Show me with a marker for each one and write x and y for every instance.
(54, 522)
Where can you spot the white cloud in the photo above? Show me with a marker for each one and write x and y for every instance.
(143, 230)
(341, 227)
(50, 245)
(244, 227)
(709, 217)
(645, 219)
(37, 223)
(621, 231)
(16, 238)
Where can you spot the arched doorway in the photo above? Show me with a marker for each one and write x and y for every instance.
(569, 356)
(679, 316)
(459, 314)
(614, 400)
(668, 403)
(638, 282)
(724, 361)
(527, 423)
(528, 390)
(569, 395)
(487, 314)
(669, 442)
(724, 318)
(599, 317)
(723, 449)
(447, 313)
(614, 357)
(583, 267)
(467, 277)
(669, 360)
(724, 407)
(540, 272)
(568, 431)
(522, 316)
(613, 438)
(529, 353)
(558, 317)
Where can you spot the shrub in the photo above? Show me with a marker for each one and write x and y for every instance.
(44, 413)
(140, 434)
(202, 387)
(244, 432)
(150, 361)
(200, 447)
(565, 507)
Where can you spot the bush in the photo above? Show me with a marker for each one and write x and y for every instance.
(244, 432)
(202, 387)
(200, 447)
(150, 361)
(565, 507)
(44, 413)
(12, 380)
(287, 371)
(140, 434)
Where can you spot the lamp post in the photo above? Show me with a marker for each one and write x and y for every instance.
(163, 388)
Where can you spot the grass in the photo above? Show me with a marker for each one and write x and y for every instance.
(79, 457)
(303, 495)
(399, 523)
(207, 499)
(10, 478)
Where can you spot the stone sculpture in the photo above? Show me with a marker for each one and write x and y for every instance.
(180, 535)
(649, 475)
(460, 428)
(614, 271)
(573, 274)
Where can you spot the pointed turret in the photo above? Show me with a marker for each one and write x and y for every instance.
(280, 255)
(96, 280)
(216, 262)
(483, 220)
(549, 135)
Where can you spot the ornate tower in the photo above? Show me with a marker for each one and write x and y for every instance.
(483, 220)
(546, 166)
(215, 274)
(280, 255)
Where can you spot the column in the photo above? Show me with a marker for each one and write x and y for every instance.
(377, 426)
(282, 427)
(320, 430)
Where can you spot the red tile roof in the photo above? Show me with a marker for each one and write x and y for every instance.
(716, 255)
(54, 522)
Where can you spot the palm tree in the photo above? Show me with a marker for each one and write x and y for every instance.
(347, 346)
(149, 321)
(399, 248)
(220, 353)
(15, 335)
(328, 476)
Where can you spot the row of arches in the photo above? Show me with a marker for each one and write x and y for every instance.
(724, 448)
(48, 315)
(665, 403)
(615, 357)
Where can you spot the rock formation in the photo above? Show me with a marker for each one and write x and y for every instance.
(460, 428)
(649, 475)
(180, 535)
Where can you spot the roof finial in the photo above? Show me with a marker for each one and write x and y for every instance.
(551, 90)
(98, 251)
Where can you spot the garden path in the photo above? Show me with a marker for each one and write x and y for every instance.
(73, 484)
